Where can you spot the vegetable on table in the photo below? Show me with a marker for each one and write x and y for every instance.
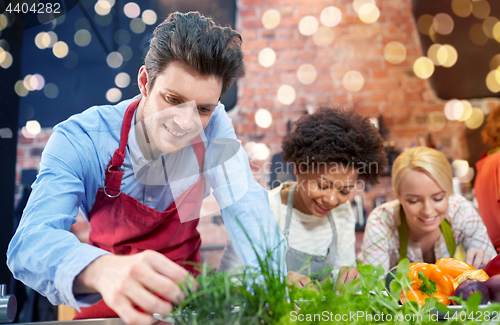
(493, 267)
(478, 275)
(428, 280)
(454, 267)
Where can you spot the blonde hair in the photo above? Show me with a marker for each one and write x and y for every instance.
(427, 160)
(491, 131)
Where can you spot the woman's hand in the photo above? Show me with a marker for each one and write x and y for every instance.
(297, 279)
(477, 258)
(347, 274)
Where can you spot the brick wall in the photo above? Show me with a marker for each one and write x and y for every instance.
(392, 90)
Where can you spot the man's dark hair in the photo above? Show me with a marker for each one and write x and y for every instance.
(336, 135)
(200, 43)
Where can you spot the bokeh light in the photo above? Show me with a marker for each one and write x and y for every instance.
(330, 16)
(3, 22)
(149, 17)
(488, 25)
(306, 74)
(132, 10)
(353, 81)
(20, 90)
(369, 13)
(481, 9)
(126, 52)
(102, 7)
(122, 37)
(271, 19)
(82, 23)
(137, 25)
(467, 111)
(27, 82)
(460, 167)
(467, 178)
(495, 62)
(450, 107)
(394, 52)
(4, 45)
(60, 49)
(436, 121)
(357, 4)
(51, 90)
(103, 20)
(49, 39)
(286, 94)
(122, 80)
(26, 134)
(267, 57)
(492, 81)
(323, 36)
(423, 67)
(257, 151)
(432, 53)
(476, 119)
(33, 127)
(114, 95)
(114, 60)
(476, 34)
(461, 8)
(451, 56)
(82, 37)
(424, 23)
(263, 118)
(37, 82)
(39, 41)
(5, 59)
(443, 24)
(308, 25)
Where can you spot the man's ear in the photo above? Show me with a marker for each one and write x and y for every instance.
(142, 80)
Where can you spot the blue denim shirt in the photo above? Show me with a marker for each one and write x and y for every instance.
(47, 257)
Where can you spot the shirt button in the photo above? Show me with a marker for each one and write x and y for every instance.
(150, 199)
(154, 164)
(143, 160)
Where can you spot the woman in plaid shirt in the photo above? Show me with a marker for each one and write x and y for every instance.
(427, 221)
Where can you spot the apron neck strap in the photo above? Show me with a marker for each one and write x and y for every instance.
(403, 235)
(288, 220)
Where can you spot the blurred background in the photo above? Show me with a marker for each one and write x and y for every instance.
(425, 72)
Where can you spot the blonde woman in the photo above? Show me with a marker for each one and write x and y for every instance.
(427, 221)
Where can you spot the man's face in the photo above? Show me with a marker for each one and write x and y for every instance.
(178, 106)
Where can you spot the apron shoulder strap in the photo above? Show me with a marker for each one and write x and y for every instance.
(403, 236)
(448, 237)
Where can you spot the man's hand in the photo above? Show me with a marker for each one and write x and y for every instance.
(477, 258)
(297, 279)
(128, 281)
(347, 274)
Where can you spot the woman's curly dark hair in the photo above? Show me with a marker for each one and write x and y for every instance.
(336, 135)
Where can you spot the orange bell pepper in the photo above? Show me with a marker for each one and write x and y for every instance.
(453, 267)
(428, 280)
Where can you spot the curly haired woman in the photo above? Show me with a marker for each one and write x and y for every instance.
(487, 183)
(330, 150)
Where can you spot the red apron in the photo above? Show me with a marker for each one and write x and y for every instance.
(122, 225)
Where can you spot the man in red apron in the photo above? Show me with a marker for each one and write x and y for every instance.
(142, 245)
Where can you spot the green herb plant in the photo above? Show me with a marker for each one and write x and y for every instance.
(248, 296)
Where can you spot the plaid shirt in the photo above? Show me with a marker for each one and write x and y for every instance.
(381, 237)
